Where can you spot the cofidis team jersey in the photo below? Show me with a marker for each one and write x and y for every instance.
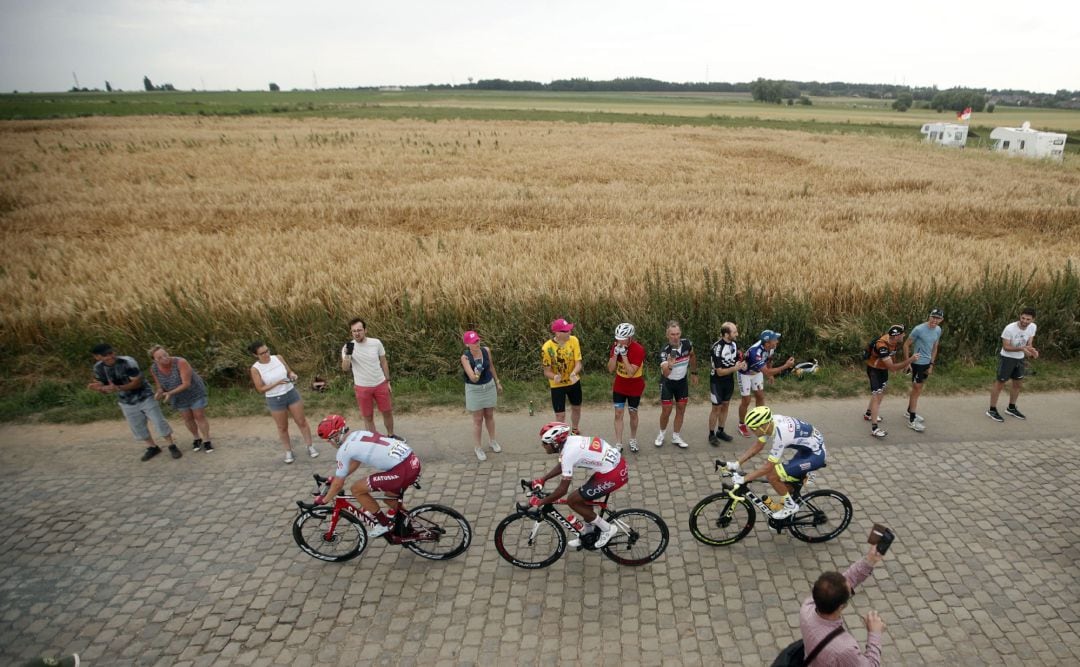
(593, 454)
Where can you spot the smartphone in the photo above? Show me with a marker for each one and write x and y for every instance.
(882, 537)
(349, 348)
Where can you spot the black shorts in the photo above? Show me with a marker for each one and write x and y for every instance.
(721, 389)
(559, 396)
(879, 379)
(677, 391)
(1010, 369)
(919, 373)
(622, 401)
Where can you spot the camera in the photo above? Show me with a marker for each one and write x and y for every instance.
(882, 537)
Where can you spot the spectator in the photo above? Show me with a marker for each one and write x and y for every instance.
(725, 364)
(879, 362)
(821, 614)
(177, 381)
(925, 337)
(752, 378)
(677, 361)
(273, 378)
(1016, 344)
(560, 359)
(371, 377)
(482, 389)
(121, 376)
(626, 359)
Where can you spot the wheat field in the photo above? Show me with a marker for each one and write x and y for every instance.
(111, 224)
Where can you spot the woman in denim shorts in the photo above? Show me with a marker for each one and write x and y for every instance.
(273, 378)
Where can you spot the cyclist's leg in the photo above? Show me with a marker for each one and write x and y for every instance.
(362, 491)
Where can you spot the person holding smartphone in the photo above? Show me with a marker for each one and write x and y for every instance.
(366, 358)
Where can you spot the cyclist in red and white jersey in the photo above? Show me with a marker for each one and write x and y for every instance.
(398, 467)
(609, 473)
(787, 433)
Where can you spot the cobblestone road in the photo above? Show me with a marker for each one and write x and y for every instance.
(191, 562)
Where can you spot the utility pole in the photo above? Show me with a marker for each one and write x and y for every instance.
(314, 81)
(74, 76)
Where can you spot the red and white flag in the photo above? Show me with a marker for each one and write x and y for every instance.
(964, 115)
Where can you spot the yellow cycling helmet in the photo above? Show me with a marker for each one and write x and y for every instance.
(758, 417)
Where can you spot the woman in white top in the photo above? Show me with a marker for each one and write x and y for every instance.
(274, 379)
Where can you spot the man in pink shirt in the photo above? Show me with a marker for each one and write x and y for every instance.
(821, 614)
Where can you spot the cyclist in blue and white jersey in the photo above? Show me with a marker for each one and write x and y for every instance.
(786, 433)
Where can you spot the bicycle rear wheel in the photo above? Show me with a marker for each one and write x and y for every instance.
(642, 537)
(310, 530)
(528, 543)
(719, 520)
(441, 533)
(822, 516)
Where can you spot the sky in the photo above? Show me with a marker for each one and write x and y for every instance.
(214, 45)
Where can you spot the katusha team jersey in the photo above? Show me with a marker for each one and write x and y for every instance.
(370, 449)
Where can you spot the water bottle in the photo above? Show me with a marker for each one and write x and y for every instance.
(392, 515)
(531, 411)
(577, 523)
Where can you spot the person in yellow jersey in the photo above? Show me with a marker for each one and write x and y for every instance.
(560, 359)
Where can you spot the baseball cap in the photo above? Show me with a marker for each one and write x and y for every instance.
(769, 335)
(470, 337)
(937, 313)
(560, 326)
(896, 329)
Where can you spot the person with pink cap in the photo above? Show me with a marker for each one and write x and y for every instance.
(481, 390)
(560, 359)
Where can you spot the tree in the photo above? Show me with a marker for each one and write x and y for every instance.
(148, 84)
(990, 107)
(903, 102)
(274, 88)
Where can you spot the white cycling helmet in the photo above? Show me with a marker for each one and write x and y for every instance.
(624, 331)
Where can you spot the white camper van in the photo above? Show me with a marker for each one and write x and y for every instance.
(1028, 142)
(946, 134)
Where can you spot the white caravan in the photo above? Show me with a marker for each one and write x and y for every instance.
(1028, 142)
(946, 134)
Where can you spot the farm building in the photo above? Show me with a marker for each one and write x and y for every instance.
(1028, 142)
(946, 134)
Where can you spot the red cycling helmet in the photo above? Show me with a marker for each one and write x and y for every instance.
(332, 425)
(554, 433)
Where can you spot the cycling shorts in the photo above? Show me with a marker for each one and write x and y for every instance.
(622, 401)
(919, 373)
(674, 391)
(559, 396)
(721, 389)
(601, 484)
(751, 383)
(396, 479)
(800, 464)
(879, 379)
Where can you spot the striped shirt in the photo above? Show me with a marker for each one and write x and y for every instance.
(843, 651)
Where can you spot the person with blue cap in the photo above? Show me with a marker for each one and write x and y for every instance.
(752, 378)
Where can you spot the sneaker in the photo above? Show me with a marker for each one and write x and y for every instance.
(676, 439)
(713, 440)
(659, 442)
(618, 446)
(992, 413)
(495, 446)
(480, 454)
(151, 452)
(196, 445)
(724, 436)
(743, 431)
(378, 530)
(878, 433)
(919, 418)
(790, 507)
(917, 426)
(289, 458)
(314, 453)
(634, 446)
(606, 536)
(207, 447)
(1014, 412)
(175, 451)
(866, 417)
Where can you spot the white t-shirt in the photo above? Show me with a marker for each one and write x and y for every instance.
(589, 453)
(1017, 337)
(271, 373)
(366, 367)
(376, 451)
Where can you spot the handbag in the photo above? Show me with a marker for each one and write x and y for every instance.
(792, 655)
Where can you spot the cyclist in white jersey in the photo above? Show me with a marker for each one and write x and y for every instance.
(609, 473)
(787, 433)
(398, 468)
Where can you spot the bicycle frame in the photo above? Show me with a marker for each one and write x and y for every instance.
(343, 502)
(601, 507)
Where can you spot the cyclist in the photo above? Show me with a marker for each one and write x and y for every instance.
(609, 473)
(398, 467)
(787, 433)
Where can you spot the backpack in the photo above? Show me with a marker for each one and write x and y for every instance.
(792, 655)
(868, 351)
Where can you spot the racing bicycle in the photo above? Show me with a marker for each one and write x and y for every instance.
(728, 516)
(535, 538)
(339, 533)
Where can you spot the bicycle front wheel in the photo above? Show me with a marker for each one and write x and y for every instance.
(441, 533)
(719, 520)
(822, 516)
(529, 543)
(642, 537)
(311, 530)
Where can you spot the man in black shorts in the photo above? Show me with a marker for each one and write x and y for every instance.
(678, 364)
(725, 363)
(878, 364)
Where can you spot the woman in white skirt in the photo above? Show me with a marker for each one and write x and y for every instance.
(481, 390)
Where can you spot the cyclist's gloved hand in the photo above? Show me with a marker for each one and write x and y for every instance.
(537, 484)
(733, 466)
(320, 500)
(738, 479)
(535, 502)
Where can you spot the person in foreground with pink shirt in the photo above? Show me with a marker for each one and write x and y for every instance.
(821, 614)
